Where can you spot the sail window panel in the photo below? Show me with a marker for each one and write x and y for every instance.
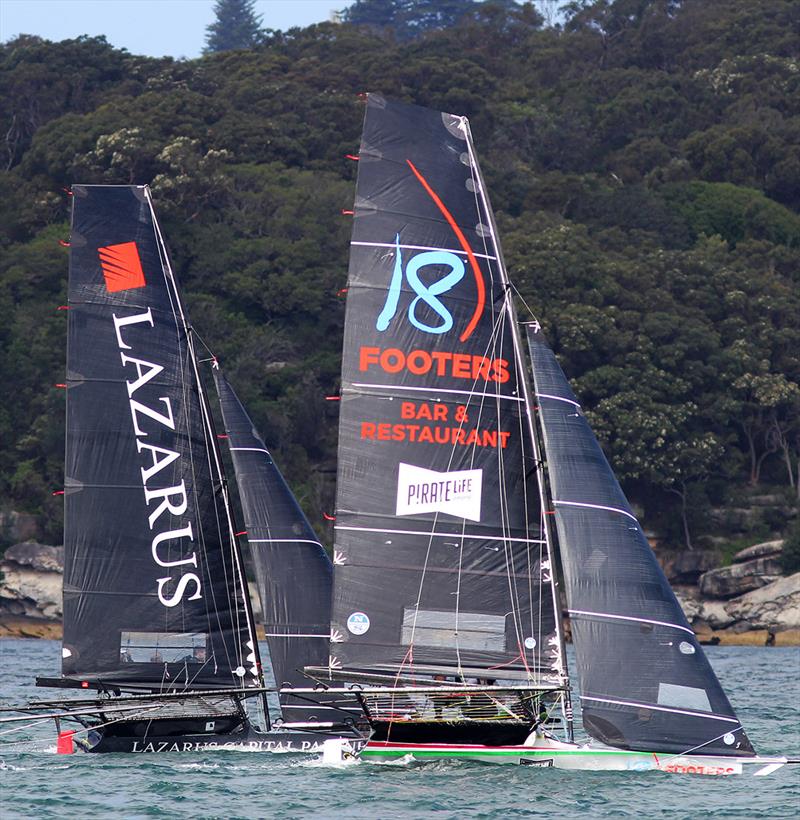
(467, 630)
(683, 697)
(163, 647)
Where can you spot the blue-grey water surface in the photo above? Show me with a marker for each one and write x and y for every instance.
(762, 684)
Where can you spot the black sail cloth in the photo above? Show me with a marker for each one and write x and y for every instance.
(646, 683)
(293, 571)
(440, 561)
(153, 591)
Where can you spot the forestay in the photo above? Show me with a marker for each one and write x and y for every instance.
(441, 561)
(153, 588)
(646, 683)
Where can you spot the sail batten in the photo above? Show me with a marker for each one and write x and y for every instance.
(646, 683)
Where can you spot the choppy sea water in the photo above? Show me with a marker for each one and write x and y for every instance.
(762, 683)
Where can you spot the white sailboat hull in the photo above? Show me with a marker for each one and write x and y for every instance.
(548, 753)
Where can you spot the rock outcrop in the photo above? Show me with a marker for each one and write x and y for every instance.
(774, 607)
(728, 582)
(31, 581)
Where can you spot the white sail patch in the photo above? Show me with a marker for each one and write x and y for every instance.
(455, 493)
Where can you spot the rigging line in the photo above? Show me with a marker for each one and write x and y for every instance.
(739, 728)
(180, 323)
(504, 277)
(239, 608)
(186, 353)
(505, 313)
(525, 304)
(436, 518)
(505, 512)
(134, 716)
(490, 345)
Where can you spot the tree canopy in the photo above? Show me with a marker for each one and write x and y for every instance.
(643, 159)
(236, 26)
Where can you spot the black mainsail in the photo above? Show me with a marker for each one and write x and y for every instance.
(293, 571)
(646, 683)
(154, 592)
(441, 562)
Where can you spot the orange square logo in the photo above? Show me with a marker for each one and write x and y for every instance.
(122, 268)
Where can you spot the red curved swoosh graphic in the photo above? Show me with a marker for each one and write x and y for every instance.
(481, 301)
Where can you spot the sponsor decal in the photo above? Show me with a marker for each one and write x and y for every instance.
(546, 763)
(429, 294)
(122, 268)
(165, 504)
(248, 745)
(392, 360)
(358, 623)
(424, 293)
(701, 768)
(455, 433)
(456, 493)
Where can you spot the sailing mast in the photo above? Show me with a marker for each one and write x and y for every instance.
(249, 652)
(560, 662)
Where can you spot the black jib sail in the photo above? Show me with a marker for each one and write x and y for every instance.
(441, 562)
(293, 571)
(153, 585)
(646, 683)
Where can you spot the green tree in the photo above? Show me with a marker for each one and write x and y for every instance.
(237, 26)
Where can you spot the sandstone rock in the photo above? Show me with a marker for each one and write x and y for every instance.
(702, 615)
(714, 614)
(690, 604)
(31, 581)
(775, 606)
(761, 550)
(686, 566)
(727, 582)
(36, 556)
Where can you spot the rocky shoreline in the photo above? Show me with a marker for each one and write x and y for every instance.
(748, 603)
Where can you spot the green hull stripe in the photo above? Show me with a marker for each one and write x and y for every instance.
(472, 752)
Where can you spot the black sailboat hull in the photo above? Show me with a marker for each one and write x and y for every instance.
(488, 734)
(128, 738)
